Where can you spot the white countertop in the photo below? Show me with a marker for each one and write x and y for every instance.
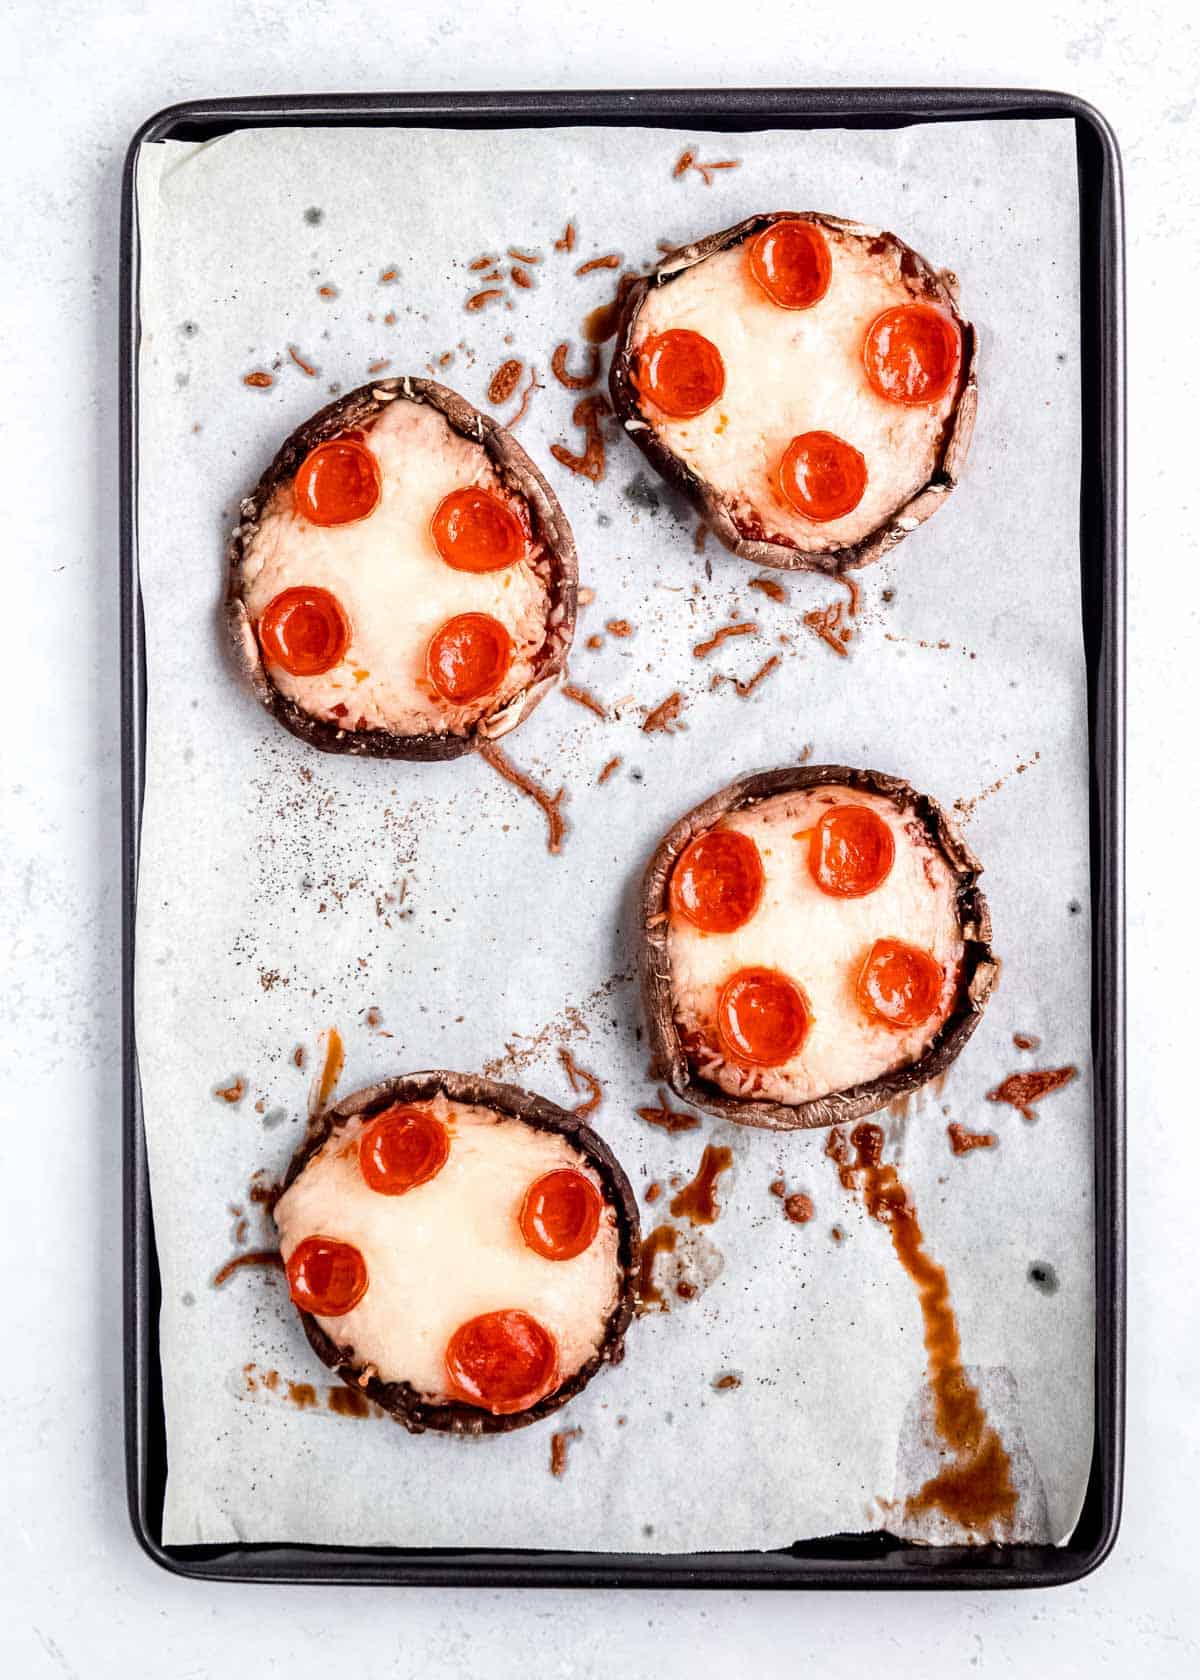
(79, 1598)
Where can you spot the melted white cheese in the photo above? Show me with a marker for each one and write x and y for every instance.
(820, 942)
(394, 586)
(789, 371)
(452, 1248)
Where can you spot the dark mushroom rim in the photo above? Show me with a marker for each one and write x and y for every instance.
(415, 1411)
(980, 969)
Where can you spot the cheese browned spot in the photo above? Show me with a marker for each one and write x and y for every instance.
(451, 1249)
(791, 372)
(394, 587)
(820, 942)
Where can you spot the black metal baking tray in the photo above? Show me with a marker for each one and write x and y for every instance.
(841, 1560)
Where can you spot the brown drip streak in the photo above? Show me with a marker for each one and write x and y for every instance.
(769, 587)
(331, 1072)
(962, 1141)
(746, 688)
(974, 1487)
(608, 770)
(703, 649)
(668, 1118)
(346, 1402)
(1022, 1090)
(661, 1240)
(534, 384)
(252, 1257)
(588, 413)
(581, 1080)
(697, 1201)
(660, 718)
(612, 260)
(480, 300)
(549, 803)
(826, 622)
(584, 697)
(305, 367)
(575, 381)
(505, 381)
(559, 1442)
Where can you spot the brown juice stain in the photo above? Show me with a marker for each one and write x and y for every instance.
(302, 1394)
(975, 1487)
(697, 1200)
(331, 1072)
(347, 1402)
(661, 1240)
(1026, 1041)
(252, 1257)
(1022, 1090)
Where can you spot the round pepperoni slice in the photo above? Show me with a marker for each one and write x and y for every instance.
(326, 1277)
(338, 483)
(822, 476)
(911, 354)
(474, 531)
(717, 882)
(899, 984)
(790, 261)
(501, 1361)
(401, 1148)
(561, 1214)
(305, 631)
(680, 372)
(762, 1017)
(851, 851)
(468, 657)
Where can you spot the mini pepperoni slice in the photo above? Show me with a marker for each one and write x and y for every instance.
(899, 983)
(911, 354)
(680, 371)
(718, 881)
(401, 1148)
(501, 1361)
(790, 261)
(822, 476)
(851, 851)
(474, 531)
(304, 630)
(338, 483)
(762, 1017)
(468, 657)
(326, 1277)
(561, 1214)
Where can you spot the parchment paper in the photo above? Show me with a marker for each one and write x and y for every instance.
(283, 892)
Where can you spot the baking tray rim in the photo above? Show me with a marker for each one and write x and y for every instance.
(836, 1561)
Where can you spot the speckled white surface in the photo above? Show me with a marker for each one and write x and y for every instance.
(79, 1599)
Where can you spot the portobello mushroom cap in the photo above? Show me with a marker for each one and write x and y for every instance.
(416, 1411)
(745, 537)
(555, 562)
(978, 973)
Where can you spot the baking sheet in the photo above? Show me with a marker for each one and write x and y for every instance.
(264, 913)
